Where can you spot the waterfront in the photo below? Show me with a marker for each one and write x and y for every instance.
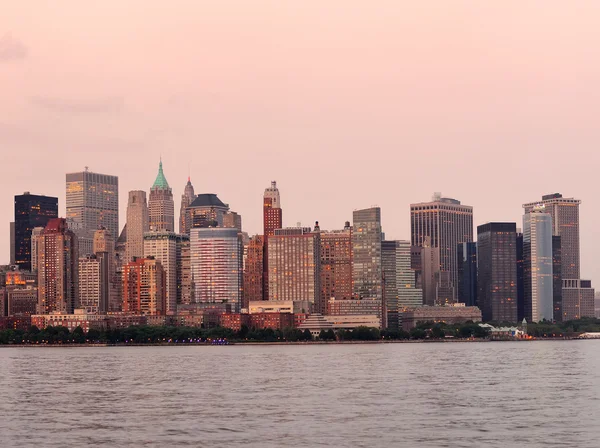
(545, 393)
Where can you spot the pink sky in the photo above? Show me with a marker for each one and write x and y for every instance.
(346, 103)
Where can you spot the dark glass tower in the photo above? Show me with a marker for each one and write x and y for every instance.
(30, 211)
(467, 273)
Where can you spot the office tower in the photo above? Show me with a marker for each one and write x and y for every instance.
(216, 264)
(166, 247)
(104, 250)
(30, 211)
(144, 287)
(565, 223)
(207, 210)
(94, 285)
(467, 273)
(557, 277)
(430, 273)
(295, 265)
(390, 287)
(92, 204)
(253, 271)
(185, 220)
(409, 296)
(577, 299)
(137, 224)
(37, 231)
(520, 277)
(447, 223)
(336, 265)
(12, 243)
(272, 219)
(497, 271)
(185, 284)
(161, 207)
(366, 253)
(232, 220)
(537, 265)
(57, 255)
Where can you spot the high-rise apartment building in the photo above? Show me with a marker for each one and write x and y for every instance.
(143, 287)
(161, 207)
(409, 296)
(94, 283)
(232, 220)
(295, 265)
(166, 247)
(37, 231)
(497, 271)
(565, 223)
(185, 220)
(138, 223)
(216, 265)
(57, 256)
(467, 274)
(253, 271)
(447, 223)
(30, 211)
(537, 269)
(272, 219)
(367, 272)
(336, 265)
(92, 204)
(390, 287)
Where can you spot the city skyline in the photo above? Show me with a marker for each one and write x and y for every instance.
(351, 103)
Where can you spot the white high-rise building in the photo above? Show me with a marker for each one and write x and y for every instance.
(137, 225)
(216, 266)
(409, 296)
(537, 265)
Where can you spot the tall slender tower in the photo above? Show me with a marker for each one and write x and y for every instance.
(272, 219)
(57, 268)
(92, 204)
(160, 204)
(137, 224)
(185, 220)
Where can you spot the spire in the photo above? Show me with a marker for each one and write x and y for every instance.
(160, 182)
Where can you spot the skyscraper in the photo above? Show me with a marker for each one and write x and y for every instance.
(497, 271)
(161, 207)
(253, 271)
(216, 265)
(37, 231)
(336, 265)
(295, 265)
(537, 257)
(366, 253)
(467, 274)
(390, 287)
(557, 277)
(447, 223)
(185, 220)
(12, 243)
(137, 224)
(207, 210)
(409, 296)
(30, 211)
(92, 204)
(166, 248)
(272, 219)
(57, 268)
(104, 250)
(565, 223)
(143, 287)
(94, 284)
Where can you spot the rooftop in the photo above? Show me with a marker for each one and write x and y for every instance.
(208, 200)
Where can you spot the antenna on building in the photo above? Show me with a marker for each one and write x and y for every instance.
(87, 168)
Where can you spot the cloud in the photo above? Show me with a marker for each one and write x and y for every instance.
(107, 105)
(11, 49)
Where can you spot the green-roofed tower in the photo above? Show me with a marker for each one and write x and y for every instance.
(160, 203)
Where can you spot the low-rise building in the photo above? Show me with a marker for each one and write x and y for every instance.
(22, 301)
(279, 306)
(411, 317)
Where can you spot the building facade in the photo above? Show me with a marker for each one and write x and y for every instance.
(57, 255)
(253, 271)
(367, 274)
(185, 220)
(144, 287)
(467, 274)
(497, 271)
(272, 220)
(161, 208)
(92, 204)
(295, 265)
(138, 223)
(578, 299)
(94, 283)
(30, 211)
(336, 265)
(216, 265)
(446, 223)
(409, 296)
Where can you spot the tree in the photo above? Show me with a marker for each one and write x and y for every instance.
(307, 335)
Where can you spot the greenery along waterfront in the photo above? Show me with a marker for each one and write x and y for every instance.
(186, 335)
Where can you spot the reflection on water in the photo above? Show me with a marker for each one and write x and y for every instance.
(530, 394)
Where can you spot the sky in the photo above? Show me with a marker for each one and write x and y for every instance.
(345, 103)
